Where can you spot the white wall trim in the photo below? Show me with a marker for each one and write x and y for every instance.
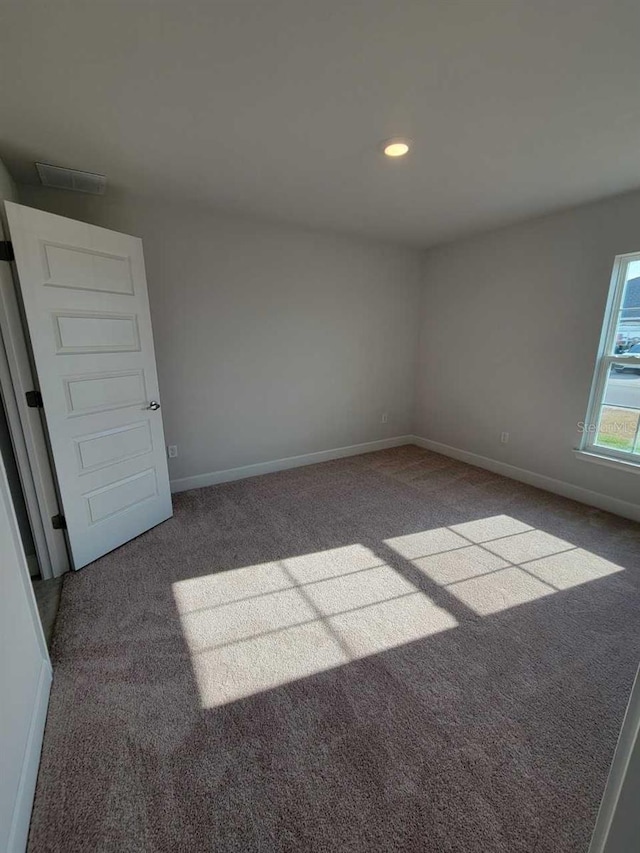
(197, 481)
(27, 785)
(540, 481)
(559, 487)
(608, 461)
(627, 751)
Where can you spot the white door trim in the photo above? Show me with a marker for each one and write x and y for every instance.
(27, 785)
(23, 777)
(27, 433)
(617, 821)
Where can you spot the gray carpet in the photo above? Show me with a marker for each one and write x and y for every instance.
(393, 652)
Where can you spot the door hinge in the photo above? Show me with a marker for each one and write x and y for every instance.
(6, 251)
(34, 399)
(58, 522)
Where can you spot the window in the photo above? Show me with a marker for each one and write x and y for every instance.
(612, 426)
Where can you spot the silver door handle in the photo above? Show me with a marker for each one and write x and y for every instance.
(153, 406)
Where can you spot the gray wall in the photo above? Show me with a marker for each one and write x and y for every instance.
(271, 341)
(511, 322)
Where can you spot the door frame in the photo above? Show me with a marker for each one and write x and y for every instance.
(27, 431)
(21, 593)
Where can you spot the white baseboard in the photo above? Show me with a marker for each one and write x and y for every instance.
(214, 477)
(27, 784)
(541, 481)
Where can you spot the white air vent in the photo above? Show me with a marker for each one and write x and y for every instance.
(71, 179)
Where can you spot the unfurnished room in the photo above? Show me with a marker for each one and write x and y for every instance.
(319, 426)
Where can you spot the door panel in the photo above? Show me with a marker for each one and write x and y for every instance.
(121, 495)
(71, 267)
(103, 392)
(85, 297)
(114, 445)
(82, 333)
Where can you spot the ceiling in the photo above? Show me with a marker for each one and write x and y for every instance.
(278, 107)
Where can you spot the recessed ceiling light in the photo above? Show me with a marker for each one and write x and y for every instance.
(396, 147)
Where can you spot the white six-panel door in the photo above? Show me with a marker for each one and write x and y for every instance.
(85, 299)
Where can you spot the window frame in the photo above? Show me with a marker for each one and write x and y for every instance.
(602, 371)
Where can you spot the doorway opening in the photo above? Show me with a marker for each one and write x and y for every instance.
(47, 590)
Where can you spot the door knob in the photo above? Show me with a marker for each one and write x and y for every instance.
(153, 405)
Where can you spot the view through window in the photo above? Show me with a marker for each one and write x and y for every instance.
(612, 427)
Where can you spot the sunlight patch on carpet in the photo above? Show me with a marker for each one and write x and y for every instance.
(257, 627)
(254, 628)
(496, 563)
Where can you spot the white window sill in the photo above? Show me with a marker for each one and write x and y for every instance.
(609, 461)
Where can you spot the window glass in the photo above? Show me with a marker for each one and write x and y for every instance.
(628, 320)
(619, 416)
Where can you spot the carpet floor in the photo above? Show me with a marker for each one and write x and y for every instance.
(391, 652)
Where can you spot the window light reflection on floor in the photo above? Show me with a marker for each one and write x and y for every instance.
(253, 628)
(256, 627)
(496, 563)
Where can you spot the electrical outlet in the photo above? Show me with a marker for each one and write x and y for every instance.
(172, 451)
(384, 418)
(504, 438)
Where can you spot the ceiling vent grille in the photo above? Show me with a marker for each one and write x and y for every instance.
(71, 179)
